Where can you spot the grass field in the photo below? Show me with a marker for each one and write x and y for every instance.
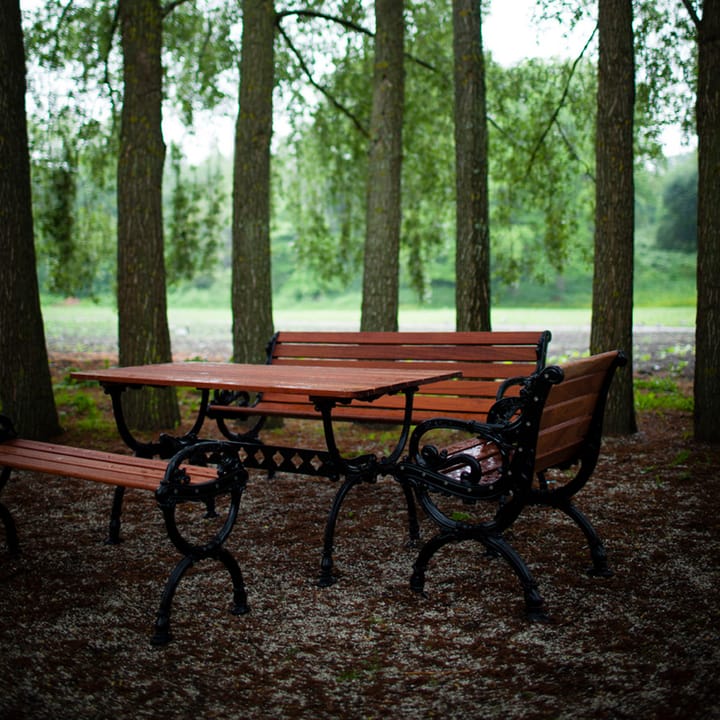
(80, 320)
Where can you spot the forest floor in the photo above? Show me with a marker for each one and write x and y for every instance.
(77, 614)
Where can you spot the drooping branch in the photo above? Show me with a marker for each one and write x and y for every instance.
(554, 117)
(167, 9)
(348, 25)
(331, 98)
(573, 151)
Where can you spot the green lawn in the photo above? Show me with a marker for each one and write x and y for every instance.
(82, 319)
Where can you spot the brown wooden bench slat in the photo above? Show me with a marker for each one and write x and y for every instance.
(408, 353)
(384, 413)
(99, 466)
(489, 372)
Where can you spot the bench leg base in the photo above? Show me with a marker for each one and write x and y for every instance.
(535, 609)
(598, 555)
(326, 577)
(161, 635)
(11, 536)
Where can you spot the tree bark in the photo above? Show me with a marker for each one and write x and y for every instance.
(472, 252)
(707, 326)
(26, 394)
(612, 312)
(383, 212)
(251, 270)
(143, 332)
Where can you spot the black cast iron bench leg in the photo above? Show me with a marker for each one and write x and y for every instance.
(598, 554)
(535, 609)
(11, 536)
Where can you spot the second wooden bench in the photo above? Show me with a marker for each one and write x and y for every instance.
(199, 473)
(485, 359)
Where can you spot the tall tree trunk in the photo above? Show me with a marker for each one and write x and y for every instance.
(612, 312)
(384, 213)
(26, 394)
(251, 272)
(143, 332)
(707, 327)
(472, 252)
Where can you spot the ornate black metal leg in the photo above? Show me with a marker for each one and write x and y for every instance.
(11, 536)
(598, 553)
(113, 537)
(175, 489)
(413, 524)
(534, 604)
(162, 622)
(326, 564)
(417, 580)
(240, 603)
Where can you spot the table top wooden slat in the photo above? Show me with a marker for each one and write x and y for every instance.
(342, 383)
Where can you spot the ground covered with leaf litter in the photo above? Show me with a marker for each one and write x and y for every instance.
(77, 614)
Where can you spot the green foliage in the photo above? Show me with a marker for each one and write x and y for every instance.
(666, 58)
(660, 394)
(541, 155)
(201, 55)
(195, 222)
(73, 206)
(678, 227)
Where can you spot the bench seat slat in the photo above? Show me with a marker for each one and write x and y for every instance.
(111, 468)
(503, 367)
(407, 353)
(391, 413)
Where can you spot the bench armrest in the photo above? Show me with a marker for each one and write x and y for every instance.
(472, 469)
(178, 486)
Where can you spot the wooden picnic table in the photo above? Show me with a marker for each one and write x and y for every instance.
(326, 387)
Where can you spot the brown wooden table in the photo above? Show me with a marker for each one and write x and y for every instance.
(326, 387)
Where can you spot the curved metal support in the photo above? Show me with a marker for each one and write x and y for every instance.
(326, 577)
(598, 554)
(11, 536)
(176, 489)
(167, 445)
(413, 523)
(364, 468)
(535, 609)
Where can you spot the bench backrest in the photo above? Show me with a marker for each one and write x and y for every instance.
(484, 359)
(572, 419)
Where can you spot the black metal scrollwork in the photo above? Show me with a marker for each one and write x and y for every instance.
(176, 487)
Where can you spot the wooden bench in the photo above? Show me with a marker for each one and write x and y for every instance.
(199, 473)
(486, 359)
(537, 448)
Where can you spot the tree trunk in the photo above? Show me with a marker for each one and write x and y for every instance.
(251, 271)
(472, 252)
(612, 313)
(143, 332)
(26, 394)
(383, 212)
(707, 327)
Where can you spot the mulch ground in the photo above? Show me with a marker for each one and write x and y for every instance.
(77, 614)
